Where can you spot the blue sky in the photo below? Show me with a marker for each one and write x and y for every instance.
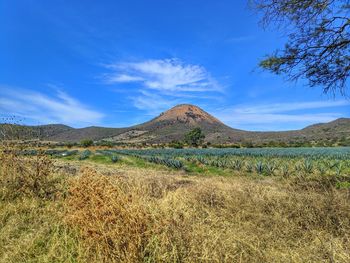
(118, 63)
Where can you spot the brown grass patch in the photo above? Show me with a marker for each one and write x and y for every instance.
(207, 220)
(22, 176)
(109, 215)
(140, 215)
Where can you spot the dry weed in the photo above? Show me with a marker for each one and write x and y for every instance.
(22, 176)
(138, 215)
(109, 215)
(208, 220)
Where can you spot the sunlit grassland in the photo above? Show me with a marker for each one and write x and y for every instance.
(134, 209)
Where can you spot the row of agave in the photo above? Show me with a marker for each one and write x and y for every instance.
(261, 164)
(84, 155)
(339, 153)
(249, 160)
(169, 162)
(272, 167)
(114, 158)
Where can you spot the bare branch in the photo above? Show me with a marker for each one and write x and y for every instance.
(318, 47)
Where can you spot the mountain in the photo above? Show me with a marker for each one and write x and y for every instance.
(340, 126)
(93, 133)
(174, 124)
(23, 132)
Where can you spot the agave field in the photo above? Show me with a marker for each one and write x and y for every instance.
(335, 152)
(262, 161)
(259, 161)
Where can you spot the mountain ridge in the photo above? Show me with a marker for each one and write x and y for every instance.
(173, 124)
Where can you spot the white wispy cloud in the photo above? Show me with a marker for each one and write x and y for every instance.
(164, 75)
(123, 78)
(277, 115)
(161, 83)
(294, 106)
(42, 109)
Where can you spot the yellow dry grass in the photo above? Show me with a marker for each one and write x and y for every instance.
(157, 218)
(144, 215)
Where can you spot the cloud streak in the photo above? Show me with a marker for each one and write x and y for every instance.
(161, 83)
(280, 115)
(167, 75)
(42, 109)
(288, 107)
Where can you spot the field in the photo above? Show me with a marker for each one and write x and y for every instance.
(284, 162)
(175, 205)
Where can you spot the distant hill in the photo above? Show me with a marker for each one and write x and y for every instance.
(93, 132)
(173, 125)
(14, 131)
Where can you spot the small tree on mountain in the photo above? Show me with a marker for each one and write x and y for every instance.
(195, 137)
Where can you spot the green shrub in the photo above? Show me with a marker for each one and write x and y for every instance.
(195, 137)
(86, 143)
(176, 145)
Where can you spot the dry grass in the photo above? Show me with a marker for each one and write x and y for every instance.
(21, 176)
(114, 229)
(207, 220)
(145, 215)
(31, 212)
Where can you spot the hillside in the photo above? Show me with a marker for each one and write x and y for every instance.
(43, 132)
(93, 133)
(173, 125)
(176, 122)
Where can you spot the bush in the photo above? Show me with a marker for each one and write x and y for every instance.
(70, 145)
(108, 144)
(86, 143)
(176, 145)
(26, 176)
(195, 137)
